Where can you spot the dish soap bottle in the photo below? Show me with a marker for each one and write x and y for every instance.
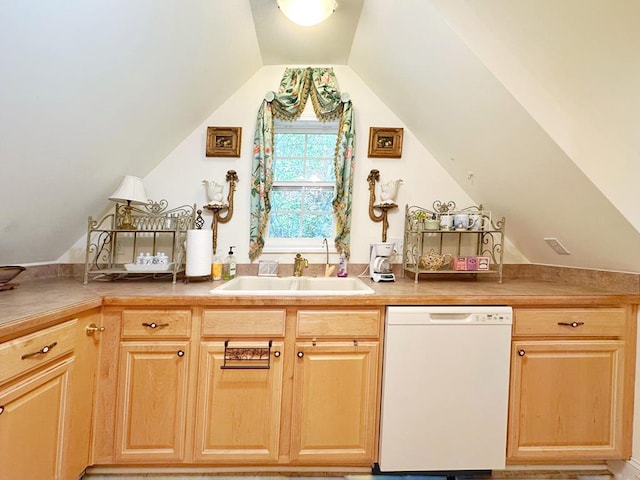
(229, 265)
(216, 267)
(342, 266)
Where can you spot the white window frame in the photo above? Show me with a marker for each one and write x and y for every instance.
(307, 123)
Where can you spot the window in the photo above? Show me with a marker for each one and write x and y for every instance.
(303, 183)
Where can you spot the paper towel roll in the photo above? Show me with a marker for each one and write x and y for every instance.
(199, 253)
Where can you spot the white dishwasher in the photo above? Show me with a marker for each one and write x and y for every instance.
(445, 388)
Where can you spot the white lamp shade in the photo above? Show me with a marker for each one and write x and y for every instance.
(131, 190)
(307, 12)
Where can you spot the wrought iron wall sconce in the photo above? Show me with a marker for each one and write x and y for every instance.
(219, 209)
(384, 208)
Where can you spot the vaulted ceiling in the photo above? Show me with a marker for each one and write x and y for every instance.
(531, 106)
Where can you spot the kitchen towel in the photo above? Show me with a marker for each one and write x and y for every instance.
(199, 253)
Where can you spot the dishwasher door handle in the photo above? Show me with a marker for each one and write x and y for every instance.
(450, 318)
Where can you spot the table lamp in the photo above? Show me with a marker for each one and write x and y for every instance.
(131, 190)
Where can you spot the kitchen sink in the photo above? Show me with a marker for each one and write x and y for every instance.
(299, 286)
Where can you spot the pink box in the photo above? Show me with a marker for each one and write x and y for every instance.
(472, 263)
(459, 263)
(483, 263)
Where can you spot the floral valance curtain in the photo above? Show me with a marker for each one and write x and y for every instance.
(288, 103)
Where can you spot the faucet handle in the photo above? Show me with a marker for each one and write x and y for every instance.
(298, 264)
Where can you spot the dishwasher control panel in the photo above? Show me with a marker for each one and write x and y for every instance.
(449, 315)
(505, 317)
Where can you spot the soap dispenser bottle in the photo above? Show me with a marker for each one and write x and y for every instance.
(342, 266)
(229, 265)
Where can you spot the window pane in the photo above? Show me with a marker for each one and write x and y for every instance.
(321, 145)
(288, 170)
(284, 225)
(301, 156)
(317, 226)
(289, 144)
(321, 170)
(318, 199)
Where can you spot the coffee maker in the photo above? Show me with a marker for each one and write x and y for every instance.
(380, 263)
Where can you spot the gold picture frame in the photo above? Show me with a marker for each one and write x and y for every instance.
(385, 142)
(223, 141)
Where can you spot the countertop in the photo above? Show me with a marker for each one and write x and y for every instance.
(38, 303)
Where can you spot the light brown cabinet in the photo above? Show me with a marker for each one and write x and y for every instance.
(153, 380)
(335, 387)
(253, 386)
(34, 424)
(239, 394)
(46, 400)
(571, 385)
(88, 338)
(334, 414)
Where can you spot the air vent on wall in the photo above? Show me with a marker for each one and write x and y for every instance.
(557, 246)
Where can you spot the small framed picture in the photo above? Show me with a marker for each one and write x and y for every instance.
(385, 142)
(223, 141)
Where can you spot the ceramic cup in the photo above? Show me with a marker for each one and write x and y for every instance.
(476, 221)
(432, 224)
(461, 221)
(446, 221)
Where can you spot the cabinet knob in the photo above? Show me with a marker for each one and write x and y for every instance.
(181, 353)
(571, 324)
(521, 353)
(276, 353)
(300, 354)
(155, 325)
(1, 409)
(93, 328)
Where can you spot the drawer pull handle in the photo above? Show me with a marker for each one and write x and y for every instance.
(521, 353)
(43, 351)
(300, 354)
(181, 353)
(93, 328)
(571, 324)
(155, 325)
(1, 409)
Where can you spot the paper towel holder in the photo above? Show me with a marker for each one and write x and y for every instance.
(219, 209)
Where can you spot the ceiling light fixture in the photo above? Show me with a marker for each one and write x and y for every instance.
(307, 12)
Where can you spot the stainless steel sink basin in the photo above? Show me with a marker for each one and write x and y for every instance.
(299, 286)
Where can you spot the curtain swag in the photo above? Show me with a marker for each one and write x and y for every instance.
(288, 103)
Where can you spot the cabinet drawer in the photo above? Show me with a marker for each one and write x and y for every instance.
(593, 322)
(245, 322)
(156, 323)
(338, 323)
(26, 353)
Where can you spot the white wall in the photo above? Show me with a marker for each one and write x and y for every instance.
(576, 70)
(178, 178)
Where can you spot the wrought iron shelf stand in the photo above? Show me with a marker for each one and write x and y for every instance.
(110, 247)
(419, 241)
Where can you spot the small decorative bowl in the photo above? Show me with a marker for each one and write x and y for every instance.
(8, 273)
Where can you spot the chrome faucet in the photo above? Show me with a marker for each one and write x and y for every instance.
(326, 246)
(328, 269)
(299, 263)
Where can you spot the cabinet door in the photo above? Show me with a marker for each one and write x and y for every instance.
(334, 403)
(238, 409)
(32, 425)
(81, 393)
(566, 400)
(152, 401)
